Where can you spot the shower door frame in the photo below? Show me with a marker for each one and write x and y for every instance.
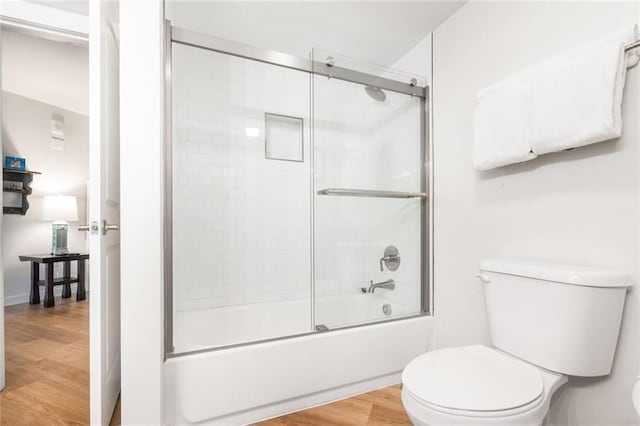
(215, 44)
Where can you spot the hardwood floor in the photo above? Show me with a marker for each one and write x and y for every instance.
(380, 407)
(47, 364)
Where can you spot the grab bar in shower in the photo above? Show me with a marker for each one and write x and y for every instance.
(370, 193)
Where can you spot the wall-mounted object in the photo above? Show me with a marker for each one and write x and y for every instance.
(57, 132)
(60, 209)
(283, 137)
(15, 163)
(390, 259)
(18, 184)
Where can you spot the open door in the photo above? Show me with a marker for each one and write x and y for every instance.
(104, 210)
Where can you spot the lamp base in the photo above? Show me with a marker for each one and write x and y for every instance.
(59, 238)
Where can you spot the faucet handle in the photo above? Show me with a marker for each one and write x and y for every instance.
(390, 259)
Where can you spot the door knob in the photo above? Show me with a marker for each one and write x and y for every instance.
(107, 227)
(92, 227)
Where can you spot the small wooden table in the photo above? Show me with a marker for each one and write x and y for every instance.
(49, 282)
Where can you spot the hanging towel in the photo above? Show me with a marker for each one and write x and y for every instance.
(576, 98)
(501, 126)
(570, 100)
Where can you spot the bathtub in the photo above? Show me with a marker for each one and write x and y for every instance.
(196, 330)
(247, 383)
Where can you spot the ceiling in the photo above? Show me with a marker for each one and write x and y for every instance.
(379, 32)
(76, 6)
(47, 71)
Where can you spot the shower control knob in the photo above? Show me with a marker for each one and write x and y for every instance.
(390, 259)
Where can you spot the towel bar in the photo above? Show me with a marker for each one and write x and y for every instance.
(370, 193)
(633, 45)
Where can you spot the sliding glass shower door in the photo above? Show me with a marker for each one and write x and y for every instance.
(241, 200)
(369, 193)
(296, 194)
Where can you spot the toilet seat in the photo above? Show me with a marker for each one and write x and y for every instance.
(470, 414)
(473, 381)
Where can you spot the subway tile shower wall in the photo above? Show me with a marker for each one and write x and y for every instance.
(242, 230)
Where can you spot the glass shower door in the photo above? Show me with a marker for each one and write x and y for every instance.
(369, 190)
(241, 214)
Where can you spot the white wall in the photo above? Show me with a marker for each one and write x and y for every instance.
(39, 78)
(576, 207)
(141, 218)
(26, 126)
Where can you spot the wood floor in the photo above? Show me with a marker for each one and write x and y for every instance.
(47, 364)
(380, 407)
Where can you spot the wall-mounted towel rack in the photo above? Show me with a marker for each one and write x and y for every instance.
(344, 192)
(633, 45)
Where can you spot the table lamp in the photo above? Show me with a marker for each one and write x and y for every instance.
(59, 209)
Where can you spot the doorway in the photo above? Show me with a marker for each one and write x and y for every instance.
(45, 135)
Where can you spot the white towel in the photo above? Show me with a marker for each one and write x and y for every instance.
(501, 126)
(570, 100)
(576, 98)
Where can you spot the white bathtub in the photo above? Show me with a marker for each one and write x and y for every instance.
(245, 384)
(207, 328)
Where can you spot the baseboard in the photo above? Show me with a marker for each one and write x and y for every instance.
(18, 299)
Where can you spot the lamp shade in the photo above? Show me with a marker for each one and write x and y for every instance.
(60, 207)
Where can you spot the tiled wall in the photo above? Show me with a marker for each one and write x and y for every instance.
(241, 221)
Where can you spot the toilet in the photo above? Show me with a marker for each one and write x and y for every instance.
(547, 322)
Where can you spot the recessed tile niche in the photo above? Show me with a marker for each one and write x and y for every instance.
(283, 137)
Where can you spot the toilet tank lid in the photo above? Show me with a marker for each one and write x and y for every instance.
(568, 274)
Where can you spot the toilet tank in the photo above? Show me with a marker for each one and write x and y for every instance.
(560, 317)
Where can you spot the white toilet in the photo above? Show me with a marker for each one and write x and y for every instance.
(547, 321)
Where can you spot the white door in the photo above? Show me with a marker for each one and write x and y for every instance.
(104, 210)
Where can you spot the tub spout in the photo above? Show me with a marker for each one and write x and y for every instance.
(389, 285)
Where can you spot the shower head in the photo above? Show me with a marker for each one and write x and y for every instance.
(375, 93)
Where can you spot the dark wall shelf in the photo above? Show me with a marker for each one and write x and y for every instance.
(22, 180)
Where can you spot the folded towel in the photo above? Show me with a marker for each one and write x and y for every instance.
(576, 98)
(570, 100)
(501, 126)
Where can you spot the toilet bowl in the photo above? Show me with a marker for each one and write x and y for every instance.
(538, 314)
(476, 385)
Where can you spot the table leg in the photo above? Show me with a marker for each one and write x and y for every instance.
(48, 287)
(66, 287)
(34, 294)
(80, 293)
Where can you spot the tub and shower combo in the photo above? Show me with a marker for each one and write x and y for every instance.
(298, 238)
